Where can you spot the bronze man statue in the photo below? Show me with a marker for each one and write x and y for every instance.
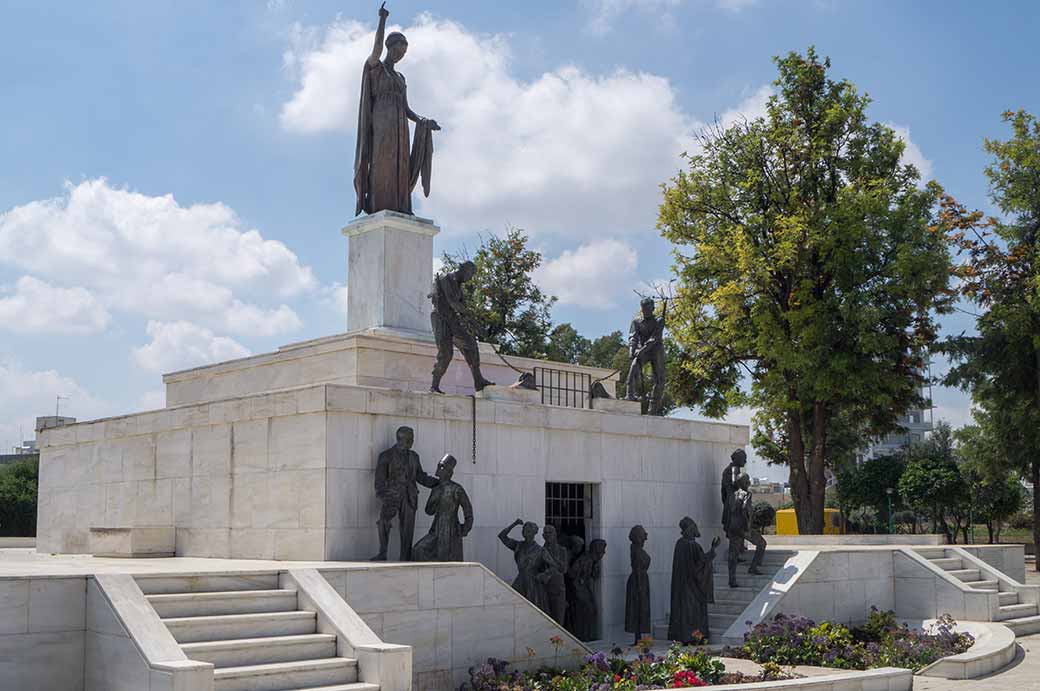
(449, 326)
(444, 541)
(738, 460)
(646, 344)
(397, 472)
(530, 563)
(557, 560)
(693, 586)
(739, 528)
(585, 572)
(384, 170)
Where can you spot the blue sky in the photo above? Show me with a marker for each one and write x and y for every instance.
(175, 174)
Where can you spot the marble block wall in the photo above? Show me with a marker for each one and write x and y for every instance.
(42, 633)
(289, 475)
(454, 616)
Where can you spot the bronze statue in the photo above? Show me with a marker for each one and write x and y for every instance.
(450, 328)
(397, 472)
(738, 459)
(557, 560)
(585, 571)
(646, 344)
(444, 541)
(530, 563)
(637, 590)
(739, 528)
(384, 171)
(693, 585)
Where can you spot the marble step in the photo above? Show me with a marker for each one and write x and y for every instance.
(726, 607)
(739, 594)
(227, 602)
(948, 563)
(1023, 626)
(720, 622)
(931, 552)
(358, 686)
(265, 650)
(286, 675)
(744, 580)
(235, 626)
(203, 583)
(1009, 598)
(966, 575)
(990, 585)
(1015, 611)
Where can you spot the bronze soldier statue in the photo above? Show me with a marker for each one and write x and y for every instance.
(739, 528)
(646, 344)
(397, 472)
(449, 326)
(444, 541)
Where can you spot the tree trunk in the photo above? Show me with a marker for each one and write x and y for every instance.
(1035, 468)
(796, 464)
(991, 530)
(817, 479)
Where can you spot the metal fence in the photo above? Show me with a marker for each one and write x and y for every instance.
(563, 387)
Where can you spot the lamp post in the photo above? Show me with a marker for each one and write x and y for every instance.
(891, 519)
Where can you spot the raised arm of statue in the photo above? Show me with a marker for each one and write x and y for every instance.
(377, 49)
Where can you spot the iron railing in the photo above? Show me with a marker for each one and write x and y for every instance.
(563, 387)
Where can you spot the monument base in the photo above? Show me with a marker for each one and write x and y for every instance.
(510, 394)
(616, 405)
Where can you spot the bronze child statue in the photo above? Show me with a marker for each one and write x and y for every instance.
(739, 528)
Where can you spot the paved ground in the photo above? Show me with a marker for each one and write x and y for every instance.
(1021, 675)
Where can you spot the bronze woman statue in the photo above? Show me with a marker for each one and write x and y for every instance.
(384, 170)
(530, 563)
(585, 571)
(637, 590)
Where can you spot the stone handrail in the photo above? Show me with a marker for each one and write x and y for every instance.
(385, 664)
(156, 645)
(1026, 593)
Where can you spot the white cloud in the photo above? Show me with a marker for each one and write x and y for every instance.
(912, 154)
(570, 150)
(180, 345)
(153, 257)
(36, 306)
(592, 275)
(752, 107)
(25, 394)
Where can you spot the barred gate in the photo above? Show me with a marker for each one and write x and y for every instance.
(563, 387)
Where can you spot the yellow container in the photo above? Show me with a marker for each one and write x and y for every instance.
(787, 522)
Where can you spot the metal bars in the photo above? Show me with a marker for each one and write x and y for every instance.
(563, 387)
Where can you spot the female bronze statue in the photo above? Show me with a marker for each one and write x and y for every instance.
(637, 590)
(692, 586)
(384, 170)
(585, 571)
(530, 563)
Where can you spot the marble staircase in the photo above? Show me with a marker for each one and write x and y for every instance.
(252, 631)
(730, 603)
(1021, 617)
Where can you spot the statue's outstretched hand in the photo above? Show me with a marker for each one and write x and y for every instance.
(715, 542)
(383, 12)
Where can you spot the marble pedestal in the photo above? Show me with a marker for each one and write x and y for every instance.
(389, 272)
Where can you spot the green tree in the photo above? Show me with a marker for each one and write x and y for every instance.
(997, 494)
(603, 351)
(19, 482)
(506, 305)
(932, 483)
(866, 485)
(1000, 273)
(808, 278)
(567, 345)
(763, 515)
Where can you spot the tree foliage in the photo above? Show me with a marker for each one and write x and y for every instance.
(932, 483)
(763, 515)
(808, 278)
(506, 305)
(19, 482)
(866, 485)
(999, 270)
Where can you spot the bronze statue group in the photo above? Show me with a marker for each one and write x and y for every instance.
(560, 576)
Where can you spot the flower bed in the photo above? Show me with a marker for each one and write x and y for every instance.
(681, 667)
(881, 642)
